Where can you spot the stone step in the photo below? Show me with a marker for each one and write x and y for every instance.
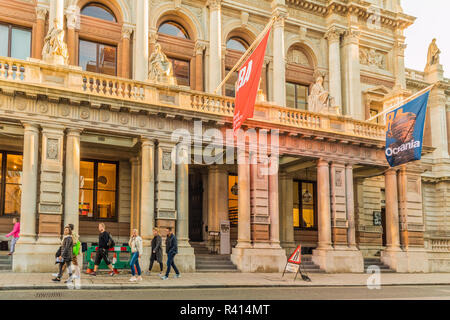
(215, 266)
(217, 270)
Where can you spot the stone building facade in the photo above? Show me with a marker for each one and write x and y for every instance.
(90, 139)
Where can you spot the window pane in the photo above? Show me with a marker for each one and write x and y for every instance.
(302, 97)
(86, 175)
(181, 71)
(173, 29)
(12, 198)
(4, 34)
(233, 199)
(308, 205)
(13, 168)
(290, 95)
(20, 43)
(106, 204)
(88, 56)
(237, 44)
(98, 11)
(230, 85)
(106, 176)
(107, 59)
(296, 205)
(86, 204)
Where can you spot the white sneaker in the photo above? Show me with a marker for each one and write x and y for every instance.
(139, 278)
(54, 274)
(133, 279)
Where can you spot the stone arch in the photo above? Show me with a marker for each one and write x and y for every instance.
(236, 29)
(306, 50)
(120, 8)
(181, 15)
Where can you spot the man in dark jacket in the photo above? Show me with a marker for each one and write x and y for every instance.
(102, 252)
(171, 250)
(156, 251)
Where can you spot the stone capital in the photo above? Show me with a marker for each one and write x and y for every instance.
(333, 34)
(74, 132)
(152, 36)
(214, 4)
(200, 47)
(281, 14)
(147, 142)
(135, 161)
(322, 163)
(127, 30)
(31, 126)
(352, 35)
(73, 17)
(390, 172)
(41, 13)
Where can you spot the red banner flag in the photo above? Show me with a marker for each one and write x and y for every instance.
(248, 83)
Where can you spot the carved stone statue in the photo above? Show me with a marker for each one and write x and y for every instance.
(319, 100)
(54, 46)
(159, 67)
(433, 54)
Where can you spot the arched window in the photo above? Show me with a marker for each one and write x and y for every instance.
(237, 44)
(172, 28)
(98, 10)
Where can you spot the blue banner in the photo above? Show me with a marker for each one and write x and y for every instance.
(404, 131)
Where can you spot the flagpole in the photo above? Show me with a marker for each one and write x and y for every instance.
(403, 102)
(257, 40)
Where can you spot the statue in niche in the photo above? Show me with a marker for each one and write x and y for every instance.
(160, 67)
(319, 100)
(433, 54)
(54, 45)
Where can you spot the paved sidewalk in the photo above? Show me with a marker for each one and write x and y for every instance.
(29, 281)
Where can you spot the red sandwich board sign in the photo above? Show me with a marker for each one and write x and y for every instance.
(296, 256)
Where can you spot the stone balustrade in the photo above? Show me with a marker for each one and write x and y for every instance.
(438, 244)
(73, 79)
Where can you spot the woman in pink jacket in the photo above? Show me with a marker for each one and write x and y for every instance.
(15, 235)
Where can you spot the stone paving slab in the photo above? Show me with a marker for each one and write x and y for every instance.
(38, 281)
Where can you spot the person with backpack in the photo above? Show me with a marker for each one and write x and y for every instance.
(156, 253)
(104, 243)
(135, 244)
(64, 255)
(171, 250)
(75, 253)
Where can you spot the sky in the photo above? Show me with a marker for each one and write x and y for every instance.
(433, 21)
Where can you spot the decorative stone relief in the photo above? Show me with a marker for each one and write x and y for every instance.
(142, 121)
(372, 58)
(21, 103)
(124, 118)
(296, 56)
(105, 115)
(42, 106)
(64, 110)
(166, 161)
(52, 149)
(84, 113)
(338, 178)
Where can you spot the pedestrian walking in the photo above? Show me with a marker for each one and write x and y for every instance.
(75, 253)
(15, 235)
(156, 253)
(171, 250)
(104, 243)
(64, 255)
(135, 244)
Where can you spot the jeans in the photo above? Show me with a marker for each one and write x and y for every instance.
(171, 263)
(13, 244)
(135, 262)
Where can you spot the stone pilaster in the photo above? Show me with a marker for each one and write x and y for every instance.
(72, 178)
(126, 39)
(135, 221)
(141, 48)
(399, 63)
(186, 260)
(259, 199)
(338, 205)
(39, 34)
(274, 207)
(217, 198)
(352, 74)
(286, 212)
(350, 206)
(334, 62)
(279, 60)
(215, 44)
(73, 24)
(199, 50)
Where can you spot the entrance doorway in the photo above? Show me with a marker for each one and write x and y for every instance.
(195, 207)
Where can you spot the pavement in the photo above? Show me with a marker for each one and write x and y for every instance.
(42, 281)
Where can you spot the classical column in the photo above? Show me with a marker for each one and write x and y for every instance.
(399, 63)
(39, 34)
(352, 74)
(334, 62)
(135, 193)
(392, 220)
(286, 214)
(217, 196)
(141, 41)
(73, 24)
(215, 44)
(279, 61)
(126, 65)
(182, 224)
(274, 202)
(29, 183)
(199, 49)
(72, 178)
(351, 235)
(323, 192)
(244, 240)
(147, 188)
